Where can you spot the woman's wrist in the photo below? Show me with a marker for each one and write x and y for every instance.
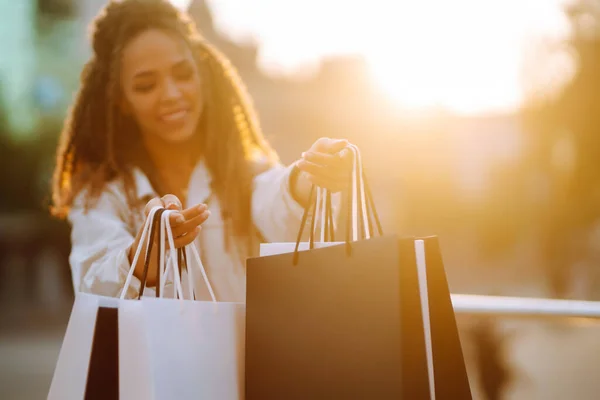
(300, 186)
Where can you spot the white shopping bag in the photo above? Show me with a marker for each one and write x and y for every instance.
(72, 368)
(70, 373)
(196, 347)
(130, 370)
(134, 353)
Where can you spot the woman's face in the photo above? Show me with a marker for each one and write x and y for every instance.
(161, 85)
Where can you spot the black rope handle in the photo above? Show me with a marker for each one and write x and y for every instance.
(307, 209)
(328, 215)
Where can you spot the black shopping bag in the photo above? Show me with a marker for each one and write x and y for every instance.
(353, 321)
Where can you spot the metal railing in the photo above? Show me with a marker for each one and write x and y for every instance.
(524, 306)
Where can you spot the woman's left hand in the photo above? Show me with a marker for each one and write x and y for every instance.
(327, 164)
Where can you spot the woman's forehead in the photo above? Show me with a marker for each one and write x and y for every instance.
(153, 50)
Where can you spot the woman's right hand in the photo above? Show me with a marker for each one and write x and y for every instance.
(185, 226)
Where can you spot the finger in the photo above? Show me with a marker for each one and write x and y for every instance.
(336, 145)
(186, 239)
(333, 160)
(155, 202)
(190, 225)
(346, 156)
(328, 145)
(171, 202)
(176, 219)
(194, 211)
(322, 171)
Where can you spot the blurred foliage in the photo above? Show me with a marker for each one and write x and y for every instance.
(25, 168)
(564, 147)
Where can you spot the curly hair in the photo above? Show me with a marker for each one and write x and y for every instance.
(100, 144)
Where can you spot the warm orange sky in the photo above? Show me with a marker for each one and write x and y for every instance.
(465, 55)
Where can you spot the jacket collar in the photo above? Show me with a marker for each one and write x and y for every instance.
(199, 186)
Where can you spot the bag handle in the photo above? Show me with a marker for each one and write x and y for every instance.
(324, 213)
(173, 263)
(359, 198)
(154, 230)
(149, 229)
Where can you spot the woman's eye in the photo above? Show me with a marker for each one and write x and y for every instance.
(144, 88)
(184, 74)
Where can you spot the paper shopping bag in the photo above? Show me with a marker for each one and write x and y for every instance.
(70, 375)
(370, 318)
(197, 348)
(102, 356)
(134, 353)
(351, 326)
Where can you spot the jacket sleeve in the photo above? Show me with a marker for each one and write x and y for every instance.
(276, 213)
(100, 239)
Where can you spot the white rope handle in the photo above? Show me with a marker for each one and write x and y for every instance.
(192, 246)
(191, 278)
(170, 264)
(323, 216)
(173, 263)
(161, 262)
(321, 210)
(145, 232)
(356, 191)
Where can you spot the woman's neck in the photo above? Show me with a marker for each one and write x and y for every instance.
(169, 156)
(172, 165)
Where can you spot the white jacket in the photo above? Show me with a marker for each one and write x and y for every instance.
(100, 237)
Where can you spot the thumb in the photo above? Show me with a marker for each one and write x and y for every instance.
(155, 202)
(172, 202)
(337, 145)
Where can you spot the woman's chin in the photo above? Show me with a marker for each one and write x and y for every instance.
(178, 136)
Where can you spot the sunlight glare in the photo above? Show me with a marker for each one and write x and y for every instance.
(181, 4)
(465, 55)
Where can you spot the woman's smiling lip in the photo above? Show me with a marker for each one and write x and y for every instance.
(174, 116)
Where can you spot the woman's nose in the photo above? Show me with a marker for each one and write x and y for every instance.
(171, 90)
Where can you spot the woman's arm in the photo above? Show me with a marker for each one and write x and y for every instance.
(103, 246)
(278, 202)
(275, 210)
(100, 241)
(281, 193)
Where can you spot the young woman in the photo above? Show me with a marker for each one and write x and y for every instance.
(162, 119)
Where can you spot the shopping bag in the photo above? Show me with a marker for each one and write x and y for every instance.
(71, 372)
(197, 347)
(134, 353)
(102, 356)
(367, 318)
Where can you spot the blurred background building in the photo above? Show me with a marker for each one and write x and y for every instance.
(478, 121)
